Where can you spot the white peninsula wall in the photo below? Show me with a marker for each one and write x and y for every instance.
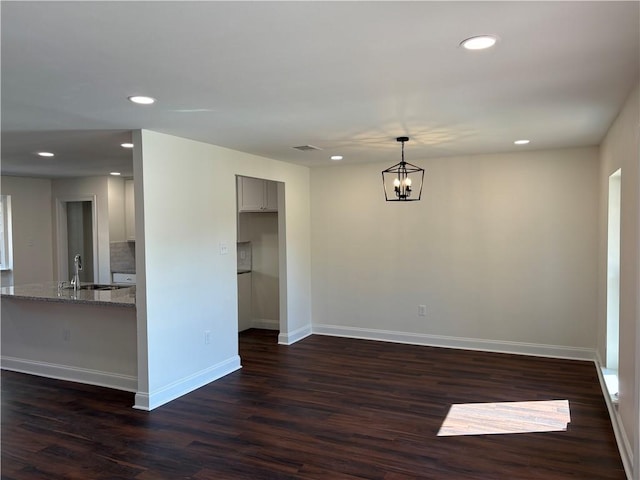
(186, 260)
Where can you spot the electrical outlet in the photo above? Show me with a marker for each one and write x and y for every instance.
(224, 248)
(422, 310)
(66, 334)
(207, 337)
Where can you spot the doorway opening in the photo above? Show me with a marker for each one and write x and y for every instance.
(80, 237)
(76, 235)
(613, 283)
(260, 206)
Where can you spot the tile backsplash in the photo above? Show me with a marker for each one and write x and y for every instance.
(123, 257)
(244, 257)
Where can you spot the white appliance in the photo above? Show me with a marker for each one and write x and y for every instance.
(127, 278)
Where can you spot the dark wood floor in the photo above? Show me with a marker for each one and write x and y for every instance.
(325, 408)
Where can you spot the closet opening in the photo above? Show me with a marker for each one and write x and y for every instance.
(259, 251)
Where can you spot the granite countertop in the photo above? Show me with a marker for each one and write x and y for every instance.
(49, 292)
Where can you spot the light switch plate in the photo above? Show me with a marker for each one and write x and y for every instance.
(224, 248)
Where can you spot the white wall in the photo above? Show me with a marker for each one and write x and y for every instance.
(620, 149)
(32, 229)
(185, 208)
(500, 249)
(79, 188)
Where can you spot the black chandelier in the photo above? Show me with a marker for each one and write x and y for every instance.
(401, 181)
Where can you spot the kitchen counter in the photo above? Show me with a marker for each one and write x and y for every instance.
(49, 292)
(86, 336)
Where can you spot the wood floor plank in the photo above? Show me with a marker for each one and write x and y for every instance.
(323, 408)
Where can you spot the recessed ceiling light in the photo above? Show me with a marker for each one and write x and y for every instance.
(336, 157)
(142, 100)
(126, 145)
(479, 42)
(115, 174)
(521, 142)
(45, 154)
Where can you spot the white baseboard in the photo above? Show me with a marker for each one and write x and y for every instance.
(265, 324)
(116, 381)
(540, 350)
(149, 401)
(624, 446)
(289, 338)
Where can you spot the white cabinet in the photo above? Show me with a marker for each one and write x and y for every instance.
(257, 195)
(128, 278)
(271, 194)
(129, 211)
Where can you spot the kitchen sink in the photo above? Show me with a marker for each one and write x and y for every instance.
(95, 286)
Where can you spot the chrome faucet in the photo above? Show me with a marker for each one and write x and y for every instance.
(77, 266)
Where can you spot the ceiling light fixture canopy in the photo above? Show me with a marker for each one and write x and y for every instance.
(402, 180)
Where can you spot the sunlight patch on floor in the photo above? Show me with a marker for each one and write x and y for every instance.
(506, 417)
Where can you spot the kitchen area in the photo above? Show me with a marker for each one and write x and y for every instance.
(180, 330)
(257, 254)
(88, 334)
(55, 322)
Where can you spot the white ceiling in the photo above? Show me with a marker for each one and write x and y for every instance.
(347, 77)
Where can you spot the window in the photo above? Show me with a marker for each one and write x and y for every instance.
(610, 372)
(5, 233)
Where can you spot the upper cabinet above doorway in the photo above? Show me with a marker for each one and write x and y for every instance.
(257, 195)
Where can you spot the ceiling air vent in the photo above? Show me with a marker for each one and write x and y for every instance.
(307, 148)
